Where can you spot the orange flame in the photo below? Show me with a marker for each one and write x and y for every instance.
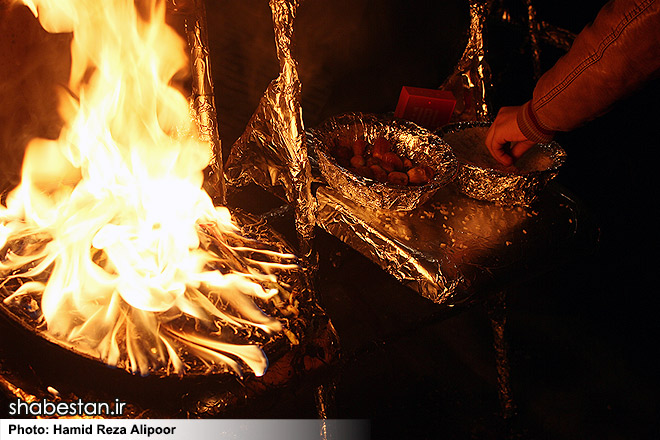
(112, 209)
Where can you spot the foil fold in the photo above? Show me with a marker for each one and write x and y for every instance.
(412, 141)
(453, 247)
(202, 99)
(364, 230)
(471, 76)
(272, 150)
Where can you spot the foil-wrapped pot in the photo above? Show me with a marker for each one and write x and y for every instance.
(481, 177)
(408, 140)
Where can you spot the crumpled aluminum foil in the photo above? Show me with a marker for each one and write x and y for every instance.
(482, 178)
(292, 306)
(413, 142)
(307, 341)
(471, 75)
(385, 237)
(310, 323)
(202, 100)
(453, 246)
(272, 149)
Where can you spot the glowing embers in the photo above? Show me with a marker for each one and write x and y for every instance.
(109, 244)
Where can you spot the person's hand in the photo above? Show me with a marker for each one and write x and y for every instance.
(504, 140)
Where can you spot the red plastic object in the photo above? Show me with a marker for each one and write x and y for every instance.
(429, 108)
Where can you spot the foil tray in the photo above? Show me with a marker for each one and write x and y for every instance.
(33, 364)
(481, 177)
(453, 246)
(407, 138)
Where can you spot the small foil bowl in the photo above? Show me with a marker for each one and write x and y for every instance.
(407, 139)
(482, 177)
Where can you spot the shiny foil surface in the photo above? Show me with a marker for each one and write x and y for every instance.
(286, 306)
(471, 76)
(482, 178)
(307, 341)
(272, 150)
(407, 139)
(453, 246)
(202, 100)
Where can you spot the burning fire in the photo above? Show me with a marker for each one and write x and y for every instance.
(110, 227)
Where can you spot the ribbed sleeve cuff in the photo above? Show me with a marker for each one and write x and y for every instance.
(531, 127)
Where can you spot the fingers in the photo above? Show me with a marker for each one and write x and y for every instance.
(504, 139)
(499, 149)
(497, 144)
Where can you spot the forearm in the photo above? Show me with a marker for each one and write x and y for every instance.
(608, 60)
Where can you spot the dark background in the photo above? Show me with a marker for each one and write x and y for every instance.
(582, 337)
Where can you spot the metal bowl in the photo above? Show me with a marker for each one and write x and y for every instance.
(481, 177)
(407, 139)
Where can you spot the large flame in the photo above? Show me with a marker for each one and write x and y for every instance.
(112, 209)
